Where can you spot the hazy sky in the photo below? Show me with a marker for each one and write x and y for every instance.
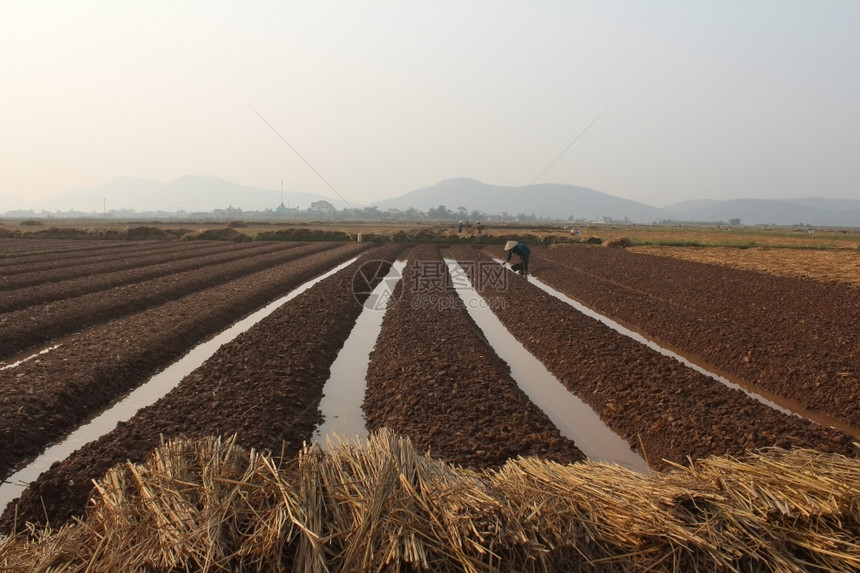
(702, 99)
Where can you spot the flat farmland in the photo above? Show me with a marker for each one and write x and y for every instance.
(107, 319)
(792, 336)
(840, 265)
(105, 343)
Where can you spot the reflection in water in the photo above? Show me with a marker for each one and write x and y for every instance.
(343, 393)
(574, 419)
(144, 395)
(28, 357)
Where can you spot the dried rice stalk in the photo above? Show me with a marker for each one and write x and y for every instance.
(208, 505)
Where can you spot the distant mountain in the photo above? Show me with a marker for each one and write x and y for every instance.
(542, 200)
(832, 205)
(190, 193)
(816, 211)
(691, 206)
(205, 194)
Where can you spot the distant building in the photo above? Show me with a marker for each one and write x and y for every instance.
(281, 210)
(231, 212)
(322, 207)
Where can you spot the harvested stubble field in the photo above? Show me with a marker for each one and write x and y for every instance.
(841, 266)
(435, 380)
(826, 256)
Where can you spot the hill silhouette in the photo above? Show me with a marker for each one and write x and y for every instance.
(554, 201)
(811, 211)
(190, 193)
(550, 200)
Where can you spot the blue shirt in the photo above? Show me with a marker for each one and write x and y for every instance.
(522, 250)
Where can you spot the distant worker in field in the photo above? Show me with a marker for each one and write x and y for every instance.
(522, 250)
(479, 227)
(460, 227)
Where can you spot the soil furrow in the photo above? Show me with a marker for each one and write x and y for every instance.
(763, 303)
(23, 329)
(13, 251)
(793, 337)
(44, 398)
(655, 402)
(265, 386)
(434, 378)
(95, 277)
(69, 262)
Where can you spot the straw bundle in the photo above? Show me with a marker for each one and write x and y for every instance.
(387, 506)
(210, 506)
(800, 507)
(778, 510)
(194, 505)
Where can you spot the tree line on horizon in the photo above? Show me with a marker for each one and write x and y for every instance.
(374, 213)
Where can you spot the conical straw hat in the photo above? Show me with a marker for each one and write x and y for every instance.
(510, 245)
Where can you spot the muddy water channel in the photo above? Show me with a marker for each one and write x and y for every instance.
(574, 419)
(775, 401)
(262, 389)
(434, 378)
(343, 393)
(145, 395)
(663, 408)
(45, 398)
(17, 360)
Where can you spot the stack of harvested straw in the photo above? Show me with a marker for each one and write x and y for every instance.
(209, 506)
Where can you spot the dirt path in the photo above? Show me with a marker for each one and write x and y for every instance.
(793, 337)
(433, 377)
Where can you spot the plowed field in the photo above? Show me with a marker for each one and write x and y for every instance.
(792, 336)
(432, 375)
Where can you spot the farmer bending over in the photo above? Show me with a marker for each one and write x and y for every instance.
(523, 251)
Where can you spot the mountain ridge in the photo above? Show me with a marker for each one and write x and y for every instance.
(189, 193)
(556, 201)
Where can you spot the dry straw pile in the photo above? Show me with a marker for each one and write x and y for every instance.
(211, 506)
